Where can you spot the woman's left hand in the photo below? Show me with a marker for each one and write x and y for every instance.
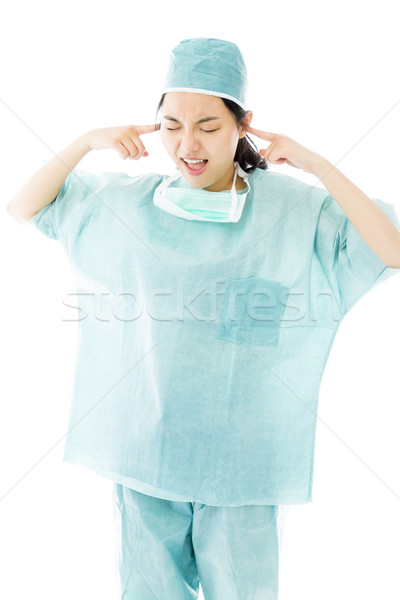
(285, 150)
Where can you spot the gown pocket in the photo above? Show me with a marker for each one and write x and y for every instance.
(251, 311)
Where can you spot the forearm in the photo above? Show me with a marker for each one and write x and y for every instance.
(368, 219)
(45, 184)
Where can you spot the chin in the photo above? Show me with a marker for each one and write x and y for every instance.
(193, 183)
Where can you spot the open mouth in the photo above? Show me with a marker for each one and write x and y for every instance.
(195, 168)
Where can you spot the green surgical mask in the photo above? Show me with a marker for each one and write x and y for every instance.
(198, 204)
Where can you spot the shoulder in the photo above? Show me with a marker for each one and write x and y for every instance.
(119, 185)
(283, 182)
(143, 180)
(123, 193)
(286, 189)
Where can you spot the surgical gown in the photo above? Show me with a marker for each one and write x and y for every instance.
(202, 344)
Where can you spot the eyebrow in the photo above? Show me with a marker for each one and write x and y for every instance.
(200, 120)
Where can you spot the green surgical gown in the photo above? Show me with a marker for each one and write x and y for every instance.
(202, 344)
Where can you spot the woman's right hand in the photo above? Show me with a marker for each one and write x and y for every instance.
(124, 138)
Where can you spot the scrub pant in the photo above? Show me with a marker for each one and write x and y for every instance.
(165, 549)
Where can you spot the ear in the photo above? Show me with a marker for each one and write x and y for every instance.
(247, 121)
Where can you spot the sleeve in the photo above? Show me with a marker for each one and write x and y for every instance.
(70, 211)
(350, 265)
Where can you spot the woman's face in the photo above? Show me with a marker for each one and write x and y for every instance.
(214, 139)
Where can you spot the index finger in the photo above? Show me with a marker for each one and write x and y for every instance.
(148, 128)
(265, 135)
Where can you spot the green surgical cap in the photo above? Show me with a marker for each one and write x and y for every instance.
(208, 66)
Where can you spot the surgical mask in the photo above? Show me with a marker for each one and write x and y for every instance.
(198, 204)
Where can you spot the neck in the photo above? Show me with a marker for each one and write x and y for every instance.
(225, 183)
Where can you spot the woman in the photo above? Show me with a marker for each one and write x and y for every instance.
(209, 301)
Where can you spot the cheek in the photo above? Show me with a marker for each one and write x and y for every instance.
(234, 137)
(164, 138)
(228, 142)
(167, 142)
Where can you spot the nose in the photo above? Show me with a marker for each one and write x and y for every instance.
(190, 143)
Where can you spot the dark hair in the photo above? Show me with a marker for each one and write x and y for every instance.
(247, 157)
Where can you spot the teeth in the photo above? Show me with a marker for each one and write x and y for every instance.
(193, 161)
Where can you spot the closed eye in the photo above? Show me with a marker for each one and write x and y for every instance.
(205, 130)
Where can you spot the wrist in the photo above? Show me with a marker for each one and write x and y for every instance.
(84, 141)
(321, 167)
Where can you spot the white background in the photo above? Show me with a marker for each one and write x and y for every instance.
(324, 73)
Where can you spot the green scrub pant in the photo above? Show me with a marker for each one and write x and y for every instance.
(165, 549)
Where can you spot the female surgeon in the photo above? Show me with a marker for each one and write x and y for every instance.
(209, 302)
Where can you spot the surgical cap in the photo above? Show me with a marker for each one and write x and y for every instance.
(208, 66)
